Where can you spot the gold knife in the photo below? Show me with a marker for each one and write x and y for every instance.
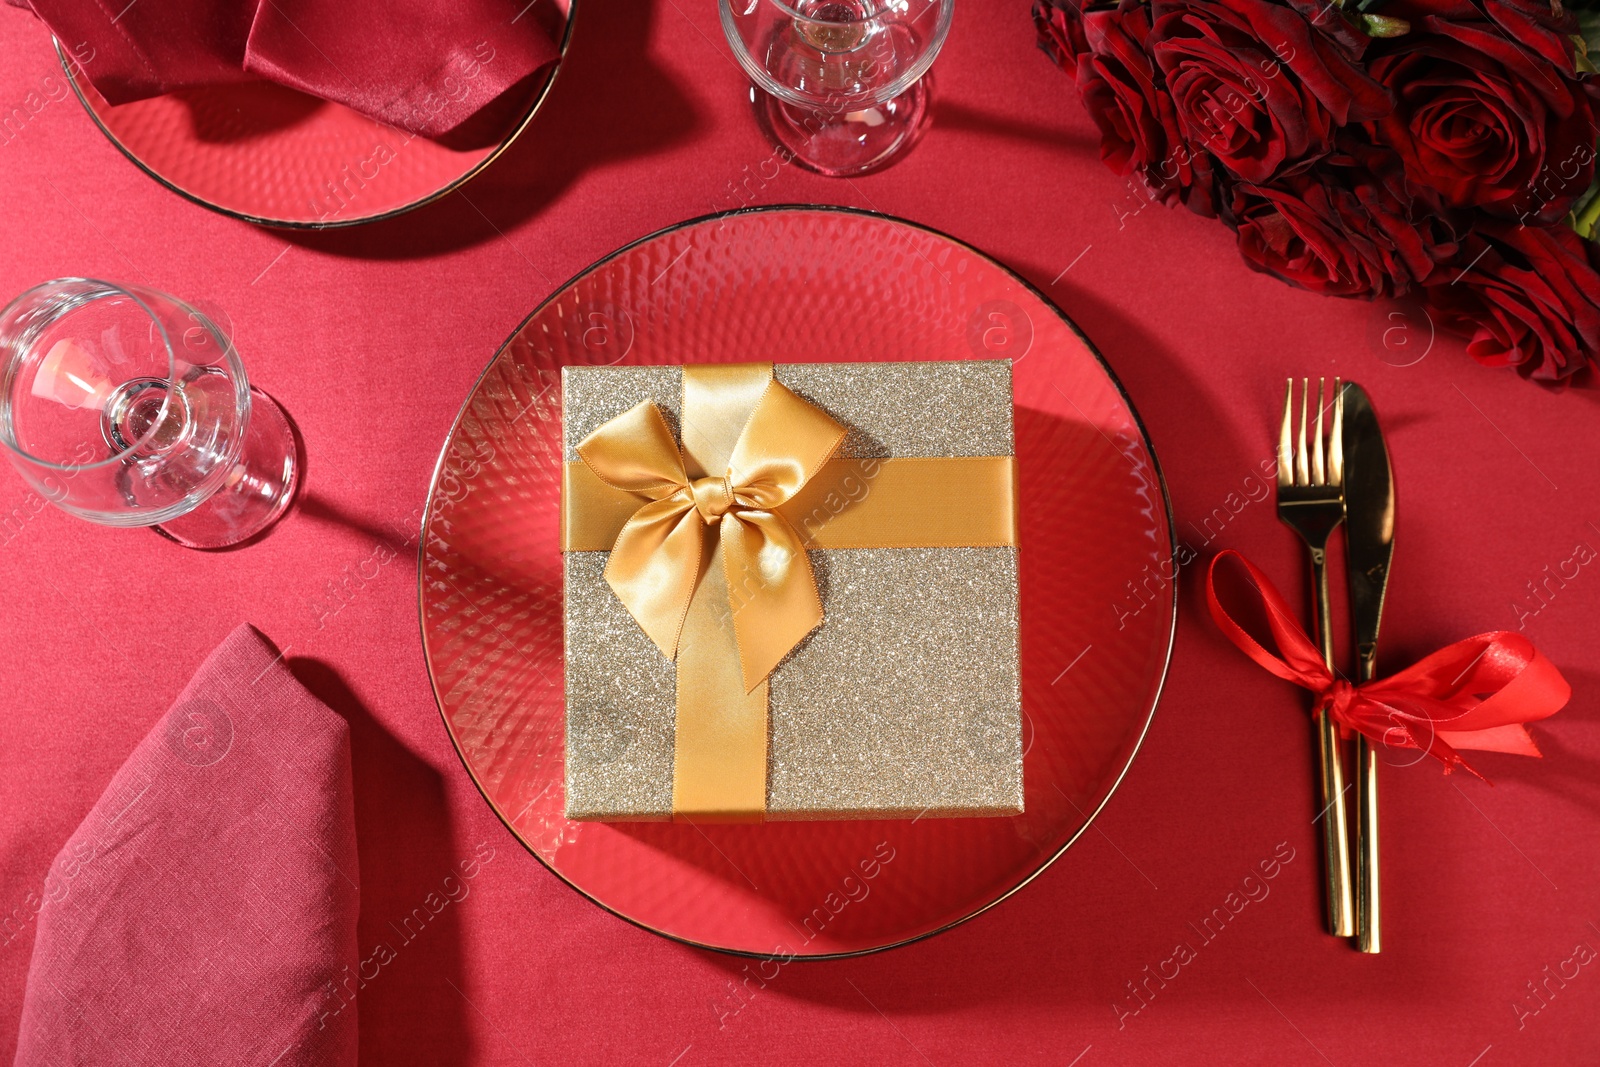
(1369, 503)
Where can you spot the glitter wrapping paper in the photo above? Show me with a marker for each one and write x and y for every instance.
(903, 703)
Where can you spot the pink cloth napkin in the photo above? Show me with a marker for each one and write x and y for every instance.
(424, 65)
(206, 908)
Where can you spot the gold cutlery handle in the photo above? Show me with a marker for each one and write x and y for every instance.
(1330, 762)
(1368, 902)
(1368, 905)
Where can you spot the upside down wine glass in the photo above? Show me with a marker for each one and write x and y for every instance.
(129, 407)
(841, 82)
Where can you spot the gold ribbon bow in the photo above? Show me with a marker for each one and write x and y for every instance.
(660, 553)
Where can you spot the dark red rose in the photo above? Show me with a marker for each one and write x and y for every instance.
(1540, 25)
(1293, 233)
(1343, 228)
(1256, 84)
(1489, 112)
(1123, 92)
(1412, 236)
(1525, 297)
(1118, 84)
(1060, 27)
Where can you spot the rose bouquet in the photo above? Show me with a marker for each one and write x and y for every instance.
(1444, 148)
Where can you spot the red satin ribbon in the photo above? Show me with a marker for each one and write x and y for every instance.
(1474, 694)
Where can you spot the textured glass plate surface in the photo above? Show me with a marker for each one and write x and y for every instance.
(273, 156)
(796, 285)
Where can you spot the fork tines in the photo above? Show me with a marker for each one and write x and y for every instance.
(1319, 463)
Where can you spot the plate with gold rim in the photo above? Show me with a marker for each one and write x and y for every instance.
(801, 284)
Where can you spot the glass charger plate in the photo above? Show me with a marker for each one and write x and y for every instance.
(802, 284)
(270, 155)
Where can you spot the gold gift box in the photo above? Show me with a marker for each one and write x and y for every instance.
(904, 703)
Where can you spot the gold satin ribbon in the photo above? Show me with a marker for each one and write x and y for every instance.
(904, 502)
(713, 564)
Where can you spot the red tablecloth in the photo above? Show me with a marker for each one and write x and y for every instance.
(371, 338)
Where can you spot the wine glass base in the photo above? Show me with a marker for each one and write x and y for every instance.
(258, 491)
(842, 144)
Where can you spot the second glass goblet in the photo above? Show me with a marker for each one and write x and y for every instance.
(842, 81)
(129, 407)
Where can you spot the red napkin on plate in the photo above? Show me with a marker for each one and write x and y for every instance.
(206, 908)
(423, 65)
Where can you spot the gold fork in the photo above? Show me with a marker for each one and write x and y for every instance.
(1311, 502)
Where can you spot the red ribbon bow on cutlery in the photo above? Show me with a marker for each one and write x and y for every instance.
(1474, 694)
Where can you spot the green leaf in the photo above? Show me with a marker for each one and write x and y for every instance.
(1586, 213)
(1587, 41)
(1383, 26)
(1580, 56)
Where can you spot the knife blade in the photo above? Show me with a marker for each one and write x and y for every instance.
(1369, 549)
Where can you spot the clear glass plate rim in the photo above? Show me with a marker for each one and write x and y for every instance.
(1116, 383)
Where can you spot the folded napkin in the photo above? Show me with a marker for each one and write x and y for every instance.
(424, 65)
(206, 909)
